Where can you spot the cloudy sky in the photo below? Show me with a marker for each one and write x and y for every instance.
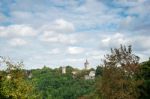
(66, 32)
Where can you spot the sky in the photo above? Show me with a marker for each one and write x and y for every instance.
(67, 32)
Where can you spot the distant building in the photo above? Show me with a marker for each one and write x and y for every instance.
(28, 73)
(90, 76)
(86, 65)
(74, 72)
(63, 70)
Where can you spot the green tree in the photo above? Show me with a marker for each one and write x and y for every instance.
(13, 83)
(99, 71)
(145, 75)
(55, 85)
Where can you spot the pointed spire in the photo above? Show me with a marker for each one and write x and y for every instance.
(86, 64)
(87, 61)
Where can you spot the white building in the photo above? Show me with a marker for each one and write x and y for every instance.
(63, 70)
(90, 76)
(74, 72)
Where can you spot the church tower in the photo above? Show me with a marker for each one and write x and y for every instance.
(86, 65)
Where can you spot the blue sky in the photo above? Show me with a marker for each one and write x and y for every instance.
(66, 32)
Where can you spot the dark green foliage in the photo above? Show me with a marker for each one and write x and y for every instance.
(145, 75)
(55, 85)
(99, 71)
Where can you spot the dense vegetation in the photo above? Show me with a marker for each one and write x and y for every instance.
(55, 85)
(121, 76)
(14, 83)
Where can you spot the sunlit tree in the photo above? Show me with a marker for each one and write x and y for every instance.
(14, 83)
(119, 75)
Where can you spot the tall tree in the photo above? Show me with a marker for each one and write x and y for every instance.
(118, 78)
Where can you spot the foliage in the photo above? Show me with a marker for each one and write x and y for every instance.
(118, 78)
(13, 84)
(55, 85)
(99, 71)
(145, 75)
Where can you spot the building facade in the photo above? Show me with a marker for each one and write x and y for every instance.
(63, 70)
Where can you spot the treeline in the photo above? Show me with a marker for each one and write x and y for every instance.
(55, 85)
(121, 76)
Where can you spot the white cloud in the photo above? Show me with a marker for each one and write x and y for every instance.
(54, 51)
(54, 37)
(17, 42)
(139, 42)
(114, 40)
(17, 30)
(59, 31)
(3, 32)
(49, 36)
(75, 50)
(106, 40)
(96, 54)
(79, 24)
(59, 26)
(64, 26)
(74, 60)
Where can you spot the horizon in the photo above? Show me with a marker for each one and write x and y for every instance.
(59, 32)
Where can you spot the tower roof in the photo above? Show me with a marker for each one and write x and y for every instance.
(86, 62)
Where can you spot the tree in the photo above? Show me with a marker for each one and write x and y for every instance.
(55, 85)
(99, 70)
(145, 75)
(13, 83)
(119, 75)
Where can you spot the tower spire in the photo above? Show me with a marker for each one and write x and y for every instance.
(86, 64)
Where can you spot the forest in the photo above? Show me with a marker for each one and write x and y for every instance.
(121, 76)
